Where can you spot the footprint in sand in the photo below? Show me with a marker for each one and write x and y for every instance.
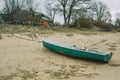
(112, 46)
(114, 65)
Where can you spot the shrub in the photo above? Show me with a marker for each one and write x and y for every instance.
(103, 25)
(84, 23)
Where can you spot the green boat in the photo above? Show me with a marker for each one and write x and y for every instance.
(77, 52)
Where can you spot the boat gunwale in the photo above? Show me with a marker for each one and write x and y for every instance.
(68, 46)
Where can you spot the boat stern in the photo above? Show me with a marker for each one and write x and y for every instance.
(108, 57)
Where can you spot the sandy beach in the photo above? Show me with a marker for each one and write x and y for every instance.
(22, 57)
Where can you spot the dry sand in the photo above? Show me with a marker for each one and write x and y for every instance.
(22, 59)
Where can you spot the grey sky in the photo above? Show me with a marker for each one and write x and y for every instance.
(113, 5)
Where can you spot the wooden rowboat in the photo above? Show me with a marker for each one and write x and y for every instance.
(78, 52)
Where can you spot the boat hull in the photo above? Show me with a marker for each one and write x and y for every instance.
(75, 53)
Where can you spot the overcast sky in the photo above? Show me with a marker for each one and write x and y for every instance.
(113, 5)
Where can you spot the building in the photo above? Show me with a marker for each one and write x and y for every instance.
(29, 17)
(1, 19)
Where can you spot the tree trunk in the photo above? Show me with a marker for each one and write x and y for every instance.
(70, 12)
(65, 22)
(69, 17)
(65, 18)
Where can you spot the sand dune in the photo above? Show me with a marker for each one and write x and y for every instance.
(22, 57)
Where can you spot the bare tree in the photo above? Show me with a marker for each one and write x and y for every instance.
(81, 13)
(11, 7)
(66, 7)
(117, 22)
(1, 4)
(32, 6)
(100, 11)
(51, 11)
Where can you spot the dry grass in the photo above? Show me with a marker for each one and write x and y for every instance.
(0, 37)
(43, 30)
(23, 29)
(70, 34)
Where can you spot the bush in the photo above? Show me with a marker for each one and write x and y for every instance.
(103, 25)
(57, 24)
(84, 23)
